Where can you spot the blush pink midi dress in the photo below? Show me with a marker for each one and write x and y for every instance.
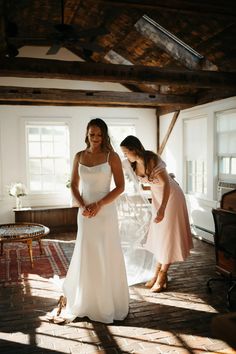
(171, 239)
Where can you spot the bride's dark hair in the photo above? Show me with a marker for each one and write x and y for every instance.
(133, 144)
(106, 143)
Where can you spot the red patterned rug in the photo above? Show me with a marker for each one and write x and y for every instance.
(15, 265)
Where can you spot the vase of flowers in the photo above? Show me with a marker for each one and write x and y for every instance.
(17, 190)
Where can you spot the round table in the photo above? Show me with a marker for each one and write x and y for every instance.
(23, 232)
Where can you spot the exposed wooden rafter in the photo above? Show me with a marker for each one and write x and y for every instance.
(56, 69)
(115, 58)
(218, 8)
(47, 96)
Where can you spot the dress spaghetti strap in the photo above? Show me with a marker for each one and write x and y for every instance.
(108, 156)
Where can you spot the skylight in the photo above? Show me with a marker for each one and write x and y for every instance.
(172, 36)
(169, 43)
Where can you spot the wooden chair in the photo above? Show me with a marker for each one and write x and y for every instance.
(225, 243)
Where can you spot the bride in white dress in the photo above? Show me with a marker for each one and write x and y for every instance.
(96, 283)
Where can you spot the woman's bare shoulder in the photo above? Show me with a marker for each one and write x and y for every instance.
(113, 156)
(78, 155)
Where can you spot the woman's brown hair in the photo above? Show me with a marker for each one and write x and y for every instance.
(150, 159)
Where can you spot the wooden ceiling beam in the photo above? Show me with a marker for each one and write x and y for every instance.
(216, 8)
(213, 95)
(48, 96)
(162, 110)
(74, 70)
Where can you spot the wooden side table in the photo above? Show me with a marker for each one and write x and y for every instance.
(23, 232)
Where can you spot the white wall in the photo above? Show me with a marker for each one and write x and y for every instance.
(199, 208)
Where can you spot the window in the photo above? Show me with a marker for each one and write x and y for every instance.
(118, 132)
(226, 145)
(48, 157)
(195, 151)
(196, 176)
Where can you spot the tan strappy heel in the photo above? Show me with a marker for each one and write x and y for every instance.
(61, 304)
(161, 282)
(151, 282)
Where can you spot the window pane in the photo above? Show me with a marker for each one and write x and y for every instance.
(35, 183)
(190, 184)
(233, 165)
(47, 166)
(59, 135)
(190, 167)
(47, 134)
(224, 165)
(60, 166)
(48, 183)
(200, 167)
(199, 184)
(34, 149)
(47, 149)
(34, 134)
(117, 133)
(34, 166)
(60, 182)
(196, 177)
(59, 149)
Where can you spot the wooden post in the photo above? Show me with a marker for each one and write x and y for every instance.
(171, 126)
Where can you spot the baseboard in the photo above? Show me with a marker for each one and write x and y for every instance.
(203, 234)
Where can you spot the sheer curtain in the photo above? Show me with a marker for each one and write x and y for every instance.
(134, 214)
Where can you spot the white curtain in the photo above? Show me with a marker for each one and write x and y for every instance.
(195, 138)
(226, 133)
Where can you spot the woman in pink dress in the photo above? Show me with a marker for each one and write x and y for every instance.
(169, 237)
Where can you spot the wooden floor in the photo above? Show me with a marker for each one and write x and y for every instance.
(175, 321)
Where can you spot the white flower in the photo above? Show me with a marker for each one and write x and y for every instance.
(17, 190)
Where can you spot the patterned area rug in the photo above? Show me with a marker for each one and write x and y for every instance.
(15, 265)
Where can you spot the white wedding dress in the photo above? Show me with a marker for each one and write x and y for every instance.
(96, 283)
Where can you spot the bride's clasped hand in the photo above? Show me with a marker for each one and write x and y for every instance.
(91, 210)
